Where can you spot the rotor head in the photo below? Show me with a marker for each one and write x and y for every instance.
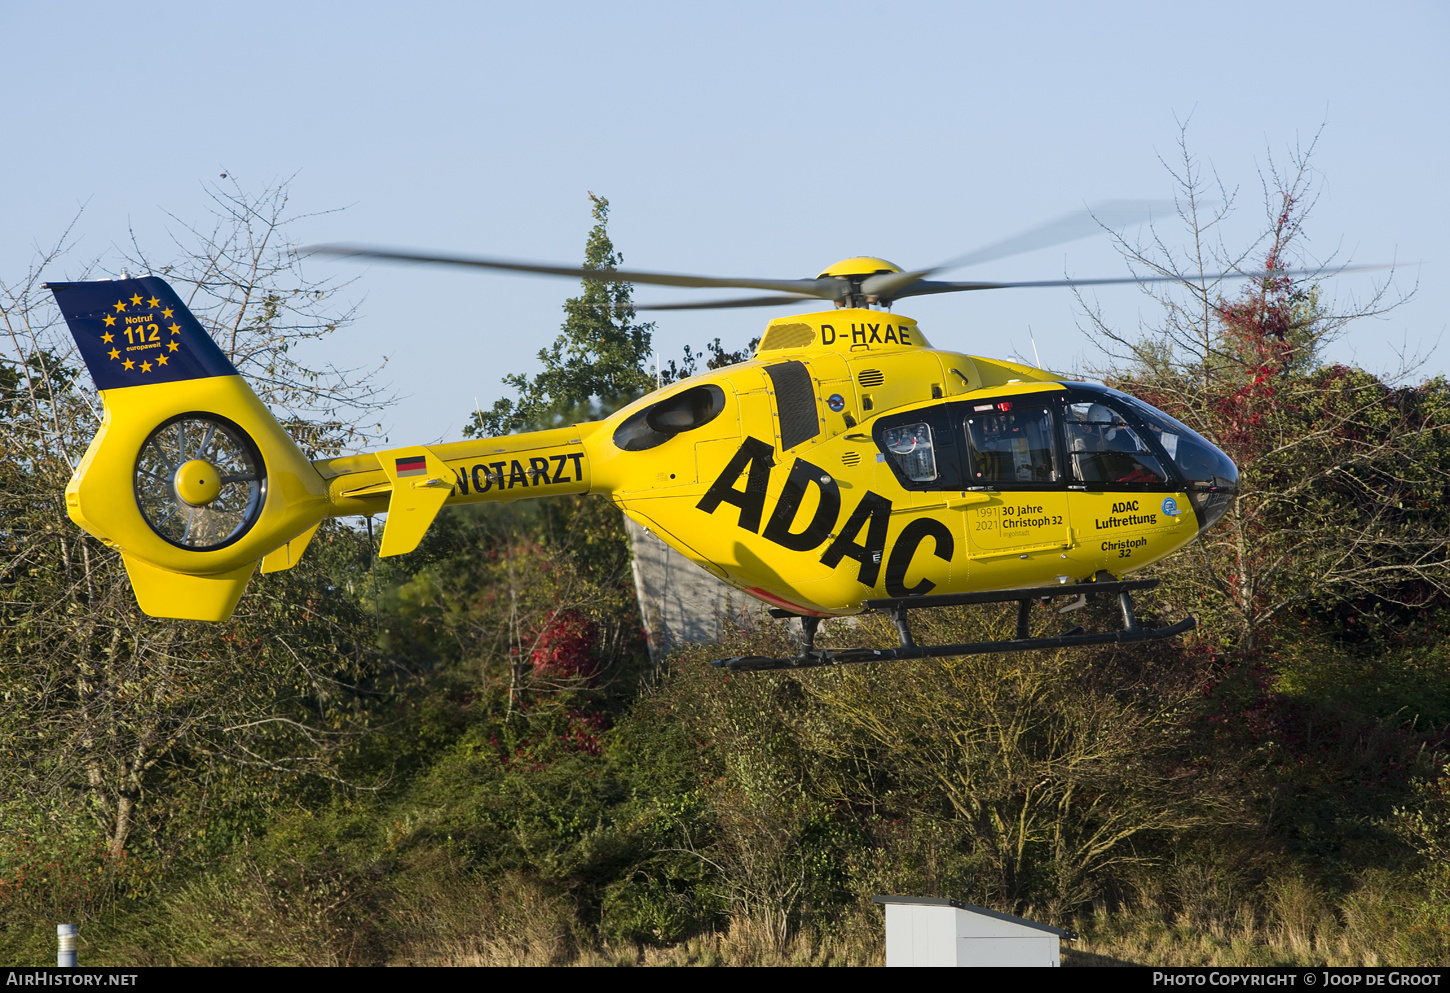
(861, 265)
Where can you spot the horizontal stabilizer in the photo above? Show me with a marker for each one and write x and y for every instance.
(162, 593)
(421, 482)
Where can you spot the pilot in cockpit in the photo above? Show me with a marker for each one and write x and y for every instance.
(1104, 449)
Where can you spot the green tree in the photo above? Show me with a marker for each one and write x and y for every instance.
(517, 583)
(1342, 473)
(716, 356)
(111, 716)
(599, 362)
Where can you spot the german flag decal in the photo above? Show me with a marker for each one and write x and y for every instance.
(412, 465)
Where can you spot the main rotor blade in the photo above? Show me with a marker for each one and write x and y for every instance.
(821, 288)
(770, 301)
(927, 286)
(1108, 215)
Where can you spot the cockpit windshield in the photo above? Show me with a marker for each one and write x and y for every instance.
(1212, 478)
(1105, 449)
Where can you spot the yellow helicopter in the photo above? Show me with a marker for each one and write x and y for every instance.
(849, 466)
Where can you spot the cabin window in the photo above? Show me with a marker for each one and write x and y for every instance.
(1010, 443)
(652, 426)
(910, 447)
(1104, 449)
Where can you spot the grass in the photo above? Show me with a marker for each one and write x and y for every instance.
(434, 915)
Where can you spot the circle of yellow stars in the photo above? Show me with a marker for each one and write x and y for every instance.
(136, 301)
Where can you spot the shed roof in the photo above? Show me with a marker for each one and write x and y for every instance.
(930, 901)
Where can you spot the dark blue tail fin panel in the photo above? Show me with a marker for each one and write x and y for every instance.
(136, 332)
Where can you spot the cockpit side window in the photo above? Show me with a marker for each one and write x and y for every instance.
(921, 447)
(1010, 443)
(911, 447)
(1103, 448)
(656, 424)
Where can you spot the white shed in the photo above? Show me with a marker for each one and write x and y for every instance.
(935, 932)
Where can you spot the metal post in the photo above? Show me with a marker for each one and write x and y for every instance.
(898, 614)
(808, 634)
(65, 956)
(1125, 603)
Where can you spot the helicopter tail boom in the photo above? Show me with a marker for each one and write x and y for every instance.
(412, 484)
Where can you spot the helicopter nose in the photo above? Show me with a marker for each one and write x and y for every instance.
(1213, 480)
(1213, 500)
(1210, 477)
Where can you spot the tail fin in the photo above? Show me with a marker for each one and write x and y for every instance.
(137, 332)
(190, 477)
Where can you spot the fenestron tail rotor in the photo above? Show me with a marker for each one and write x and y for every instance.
(200, 482)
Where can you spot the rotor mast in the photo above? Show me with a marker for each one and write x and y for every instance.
(852, 276)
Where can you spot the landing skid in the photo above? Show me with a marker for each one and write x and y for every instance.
(898, 607)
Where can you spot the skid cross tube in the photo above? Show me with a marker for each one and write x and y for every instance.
(898, 607)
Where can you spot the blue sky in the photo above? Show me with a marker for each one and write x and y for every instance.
(757, 139)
